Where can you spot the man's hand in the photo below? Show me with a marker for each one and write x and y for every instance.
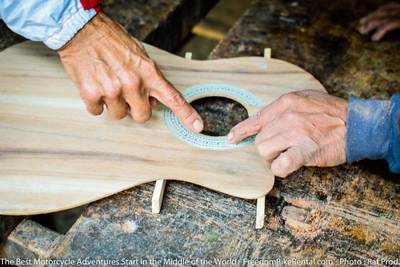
(304, 128)
(382, 21)
(111, 67)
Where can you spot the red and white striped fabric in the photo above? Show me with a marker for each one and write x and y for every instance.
(53, 22)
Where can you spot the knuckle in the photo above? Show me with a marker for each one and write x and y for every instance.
(288, 99)
(238, 132)
(176, 99)
(90, 94)
(133, 82)
(255, 122)
(112, 92)
(291, 117)
(151, 67)
(260, 137)
(300, 131)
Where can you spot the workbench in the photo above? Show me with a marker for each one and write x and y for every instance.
(335, 213)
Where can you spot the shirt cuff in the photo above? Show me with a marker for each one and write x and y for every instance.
(368, 129)
(70, 26)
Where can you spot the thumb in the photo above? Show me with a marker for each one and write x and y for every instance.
(288, 162)
(174, 100)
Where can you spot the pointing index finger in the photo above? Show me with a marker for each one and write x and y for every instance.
(173, 99)
(246, 128)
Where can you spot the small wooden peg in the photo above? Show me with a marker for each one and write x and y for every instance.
(158, 194)
(260, 212)
(188, 55)
(267, 52)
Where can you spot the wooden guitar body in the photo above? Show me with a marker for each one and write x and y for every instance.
(55, 156)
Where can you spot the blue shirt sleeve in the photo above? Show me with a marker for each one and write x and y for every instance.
(373, 130)
(53, 22)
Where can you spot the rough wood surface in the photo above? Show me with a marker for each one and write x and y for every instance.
(32, 241)
(7, 223)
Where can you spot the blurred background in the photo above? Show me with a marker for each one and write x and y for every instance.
(212, 29)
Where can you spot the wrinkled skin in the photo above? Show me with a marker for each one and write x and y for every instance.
(382, 21)
(112, 69)
(304, 128)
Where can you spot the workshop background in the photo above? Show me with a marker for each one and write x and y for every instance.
(342, 212)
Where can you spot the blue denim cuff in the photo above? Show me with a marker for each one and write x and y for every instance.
(368, 129)
(393, 156)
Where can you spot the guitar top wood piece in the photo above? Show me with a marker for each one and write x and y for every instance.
(55, 156)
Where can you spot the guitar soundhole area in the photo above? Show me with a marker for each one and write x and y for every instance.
(199, 92)
(219, 114)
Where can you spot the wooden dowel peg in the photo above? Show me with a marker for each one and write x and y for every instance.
(267, 52)
(188, 55)
(158, 194)
(260, 212)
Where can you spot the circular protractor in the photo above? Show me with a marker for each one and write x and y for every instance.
(176, 127)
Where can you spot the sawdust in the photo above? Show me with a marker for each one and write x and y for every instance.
(307, 229)
(364, 234)
(363, 192)
(129, 227)
(273, 223)
(337, 223)
(300, 202)
(390, 247)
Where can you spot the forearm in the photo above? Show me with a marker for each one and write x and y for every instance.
(373, 130)
(53, 22)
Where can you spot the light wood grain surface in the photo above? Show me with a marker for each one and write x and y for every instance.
(55, 156)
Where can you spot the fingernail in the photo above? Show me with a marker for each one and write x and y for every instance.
(198, 125)
(230, 137)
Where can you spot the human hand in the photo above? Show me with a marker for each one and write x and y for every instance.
(111, 67)
(383, 20)
(304, 128)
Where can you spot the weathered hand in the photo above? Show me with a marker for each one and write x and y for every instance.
(383, 20)
(111, 67)
(304, 128)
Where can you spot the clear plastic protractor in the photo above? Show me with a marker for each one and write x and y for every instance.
(176, 127)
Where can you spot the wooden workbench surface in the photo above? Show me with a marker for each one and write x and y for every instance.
(344, 212)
